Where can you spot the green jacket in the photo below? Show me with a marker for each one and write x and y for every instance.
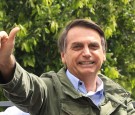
(53, 94)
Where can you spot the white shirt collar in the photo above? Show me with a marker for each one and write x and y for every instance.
(75, 81)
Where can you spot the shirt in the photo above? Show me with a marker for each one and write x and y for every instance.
(13, 111)
(96, 97)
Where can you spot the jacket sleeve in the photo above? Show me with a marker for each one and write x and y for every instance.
(130, 107)
(27, 91)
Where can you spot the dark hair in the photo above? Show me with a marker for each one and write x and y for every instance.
(62, 41)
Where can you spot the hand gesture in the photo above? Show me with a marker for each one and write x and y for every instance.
(6, 48)
(7, 43)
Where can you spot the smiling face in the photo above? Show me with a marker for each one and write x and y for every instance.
(84, 54)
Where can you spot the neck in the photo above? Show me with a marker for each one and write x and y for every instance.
(90, 82)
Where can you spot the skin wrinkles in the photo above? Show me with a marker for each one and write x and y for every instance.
(84, 55)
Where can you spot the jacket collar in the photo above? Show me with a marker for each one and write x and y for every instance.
(67, 86)
(113, 91)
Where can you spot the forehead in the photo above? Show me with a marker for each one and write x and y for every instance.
(82, 34)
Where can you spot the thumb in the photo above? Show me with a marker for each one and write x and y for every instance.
(13, 33)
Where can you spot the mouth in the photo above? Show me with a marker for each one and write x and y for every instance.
(86, 62)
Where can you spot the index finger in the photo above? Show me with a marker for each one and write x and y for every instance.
(3, 37)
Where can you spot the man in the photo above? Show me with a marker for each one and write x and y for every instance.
(77, 89)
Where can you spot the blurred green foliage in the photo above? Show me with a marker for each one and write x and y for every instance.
(41, 21)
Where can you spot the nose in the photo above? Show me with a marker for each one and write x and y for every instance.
(86, 52)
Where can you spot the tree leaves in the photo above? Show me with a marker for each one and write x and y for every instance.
(54, 27)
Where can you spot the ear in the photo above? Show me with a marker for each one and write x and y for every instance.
(63, 57)
(104, 57)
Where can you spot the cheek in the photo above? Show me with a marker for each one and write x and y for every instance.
(70, 57)
(100, 56)
(65, 58)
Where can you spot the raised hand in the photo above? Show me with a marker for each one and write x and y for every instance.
(7, 60)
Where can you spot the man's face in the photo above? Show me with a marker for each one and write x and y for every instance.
(84, 54)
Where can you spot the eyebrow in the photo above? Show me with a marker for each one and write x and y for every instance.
(79, 43)
(94, 43)
(76, 43)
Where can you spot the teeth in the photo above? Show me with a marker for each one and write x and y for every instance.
(86, 63)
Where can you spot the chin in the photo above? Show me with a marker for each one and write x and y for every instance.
(88, 72)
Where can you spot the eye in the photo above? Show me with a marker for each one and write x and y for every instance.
(77, 47)
(94, 46)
